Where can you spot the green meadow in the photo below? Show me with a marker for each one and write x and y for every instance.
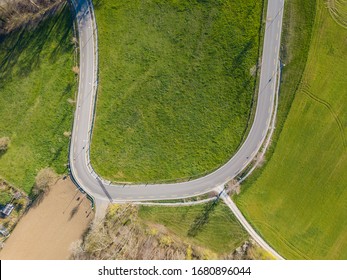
(211, 226)
(36, 81)
(176, 83)
(299, 201)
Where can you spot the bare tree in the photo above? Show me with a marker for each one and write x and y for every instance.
(43, 180)
(123, 235)
(18, 13)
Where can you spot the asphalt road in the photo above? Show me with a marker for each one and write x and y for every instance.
(103, 192)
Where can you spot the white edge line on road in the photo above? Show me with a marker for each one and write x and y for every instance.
(74, 172)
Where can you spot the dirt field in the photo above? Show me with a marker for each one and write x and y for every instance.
(48, 229)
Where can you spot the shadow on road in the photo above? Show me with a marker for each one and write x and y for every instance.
(104, 190)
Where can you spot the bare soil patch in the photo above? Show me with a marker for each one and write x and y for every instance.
(49, 227)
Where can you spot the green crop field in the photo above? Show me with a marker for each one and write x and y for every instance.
(36, 81)
(212, 226)
(299, 202)
(176, 84)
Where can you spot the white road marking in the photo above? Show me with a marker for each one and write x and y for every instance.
(90, 51)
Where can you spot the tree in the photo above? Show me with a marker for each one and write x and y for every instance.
(43, 180)
(4, 142)
(15, 14)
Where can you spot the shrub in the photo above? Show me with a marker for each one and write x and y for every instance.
(43, 180)
(4, 142)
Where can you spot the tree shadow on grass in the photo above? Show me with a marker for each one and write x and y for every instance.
(2, 153)
(202, 219)
(234, 66)
(21, 51)
(98, 4)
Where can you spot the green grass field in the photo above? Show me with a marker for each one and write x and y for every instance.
(36, 80)
(175, 86)
(211, 226)
(299, 202)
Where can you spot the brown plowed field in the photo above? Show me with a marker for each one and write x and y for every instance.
(49, 228)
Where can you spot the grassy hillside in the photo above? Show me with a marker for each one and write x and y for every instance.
(299, 203)
(36, 80)
(176, 85)
(212, 226)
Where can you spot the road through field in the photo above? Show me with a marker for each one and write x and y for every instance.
(103, 190)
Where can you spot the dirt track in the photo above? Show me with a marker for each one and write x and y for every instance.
(48, 229)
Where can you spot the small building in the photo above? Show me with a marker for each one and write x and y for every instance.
(4, 231)
(6, 211)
